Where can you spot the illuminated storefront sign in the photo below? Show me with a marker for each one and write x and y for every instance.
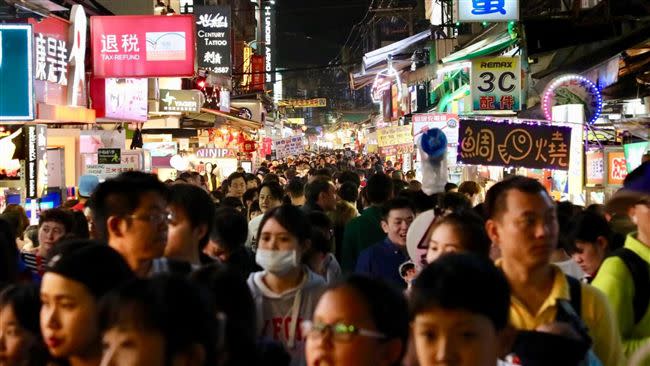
(268, 26)
(16, 82)
(487, 10)
(142, 45)
(213, 38)
(573, 89)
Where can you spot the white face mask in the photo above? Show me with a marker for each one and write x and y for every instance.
(278, 262)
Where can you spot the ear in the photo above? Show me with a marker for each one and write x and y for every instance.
(602, 243)
(115, 227)
(193, 355)
(631, 212)
(492, 231)
(392, 351)
(506, 339)
(201, 231)
(384, 226)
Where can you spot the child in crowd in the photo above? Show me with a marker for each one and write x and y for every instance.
(459, 312)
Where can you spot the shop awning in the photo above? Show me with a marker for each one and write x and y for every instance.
(496, 39)
(378, 56)
(233, 121)
(377, 60)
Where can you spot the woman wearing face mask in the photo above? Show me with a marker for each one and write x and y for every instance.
(285, 292)
(76, 277)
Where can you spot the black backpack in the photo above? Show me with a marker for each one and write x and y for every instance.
(641, 278)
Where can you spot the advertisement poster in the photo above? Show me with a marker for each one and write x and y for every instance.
(51, 60)
(390, 136)
(521, 145)
(12, 145)
(266, 147)
(446, 122)
(213, 27)
(496, 84)
(634, 154)
(126, 99)
(35, 160)
(595, 168)
(181, 100)
(288, 146)
(616, 167)
(156, 47)
(487, 10)
(16, 81)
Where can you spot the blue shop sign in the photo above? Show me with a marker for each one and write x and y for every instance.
(488, 10)
(16, 76)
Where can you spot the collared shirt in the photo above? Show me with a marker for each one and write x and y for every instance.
(383, 260)
(615, 280)
(596, 313)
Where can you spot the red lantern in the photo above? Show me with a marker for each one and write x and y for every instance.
(249, 146)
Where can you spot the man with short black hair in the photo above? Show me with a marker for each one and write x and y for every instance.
(131, 215)
(296, 192)
(236, 185)
(192, 220)
(384, 259)
(320, 195)
(523, 225)
(365, 230)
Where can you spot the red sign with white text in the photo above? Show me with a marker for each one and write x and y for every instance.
(142, 46)
(257, 77)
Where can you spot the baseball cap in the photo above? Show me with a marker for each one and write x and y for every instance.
(87, 184)
(636, 188)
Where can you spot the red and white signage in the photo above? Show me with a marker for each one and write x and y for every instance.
(60, 49)
(142, 46)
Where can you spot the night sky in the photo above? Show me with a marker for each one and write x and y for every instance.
(311, 32)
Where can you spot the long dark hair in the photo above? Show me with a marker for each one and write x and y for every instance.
(8, 255)
(293, 219)
(24, 300)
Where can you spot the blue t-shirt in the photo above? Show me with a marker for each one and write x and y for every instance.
(383, 260)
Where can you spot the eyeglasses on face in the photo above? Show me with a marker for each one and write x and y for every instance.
(340, 332)
(164, 217)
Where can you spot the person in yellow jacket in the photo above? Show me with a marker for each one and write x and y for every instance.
(615, 278)
(523, 225)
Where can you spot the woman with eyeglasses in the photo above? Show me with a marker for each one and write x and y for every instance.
(286, 291)
(360, 321)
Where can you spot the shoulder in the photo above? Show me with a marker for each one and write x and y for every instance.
(612, 269)
(595, 305)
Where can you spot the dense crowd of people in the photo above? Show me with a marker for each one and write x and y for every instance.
(331, 259)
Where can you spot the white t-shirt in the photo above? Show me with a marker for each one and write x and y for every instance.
(571, 268)
(253, 227)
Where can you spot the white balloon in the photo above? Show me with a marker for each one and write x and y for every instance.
(179, 163)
